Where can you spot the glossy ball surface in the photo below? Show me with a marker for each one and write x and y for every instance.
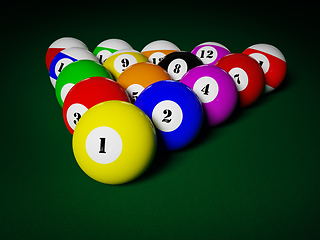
(272, 61)
(216, 90)
(179, 63)
(87, 93)
(106, 48)
(65, 57)
(175, 111)
(139, 76)
(121, 60)
(61, 44)
(76, 72)
(157, 50)
(247, 75)
(114, 142)
(210, 52)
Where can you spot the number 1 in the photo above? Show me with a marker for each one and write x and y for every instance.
(102, 145)
(60, 68)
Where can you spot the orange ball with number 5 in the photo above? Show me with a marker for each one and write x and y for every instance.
(139, 76)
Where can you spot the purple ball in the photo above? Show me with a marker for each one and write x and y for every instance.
(210, 52)
(215, 89)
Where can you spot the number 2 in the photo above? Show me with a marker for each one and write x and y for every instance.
(168, 113)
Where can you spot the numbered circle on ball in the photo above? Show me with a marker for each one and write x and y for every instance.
(74, 113)
(262, 60)
(206, 89)
(167, 116)
(103, 55)
(177, 68)
(240, 78)
(61, 64)
(123, 61)
(156, 57)
(207, 54)
(104, 145)
(65, 89)
(134, 91)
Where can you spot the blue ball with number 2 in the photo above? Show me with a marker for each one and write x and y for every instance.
(175, 111)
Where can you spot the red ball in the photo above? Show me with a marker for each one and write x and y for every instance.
(87, 93)
(247, 75)
(272, 61)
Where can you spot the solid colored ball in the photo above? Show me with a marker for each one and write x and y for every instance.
(272, 61)
(247, 75)
(140, 75)
(76, 72)
(210, 52)
(216, 90)
(179, 63)
(157, 50)
(87, 93)
(114, 142)
(65, 57)
(175, 110)
(61, 44)
(121, 60)
(106, 48)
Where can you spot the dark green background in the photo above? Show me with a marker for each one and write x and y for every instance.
(254, 177)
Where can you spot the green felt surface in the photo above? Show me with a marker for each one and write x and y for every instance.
(254, 177)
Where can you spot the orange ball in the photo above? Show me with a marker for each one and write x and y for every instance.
(139, 76)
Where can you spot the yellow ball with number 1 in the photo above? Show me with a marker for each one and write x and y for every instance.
(121, 60)
(114, 142)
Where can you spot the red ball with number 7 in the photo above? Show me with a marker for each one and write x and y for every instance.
(247, 75)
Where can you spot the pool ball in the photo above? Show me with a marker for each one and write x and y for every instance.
(175, 111)
(157, 50)
(178, 63)
(66, 56)
(114, 142)
(215, 89)
(210, 52)
(106, 48)
(247, 75)
(61, 44)
(140, 75)
(272, 61)
(76, 72)
(87, 93)
(121, 60)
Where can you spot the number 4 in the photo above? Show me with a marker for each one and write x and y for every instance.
(205, 89)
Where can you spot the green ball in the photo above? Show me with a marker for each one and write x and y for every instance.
(76, 72)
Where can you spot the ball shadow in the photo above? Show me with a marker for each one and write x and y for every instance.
(159, 163)
(287, 81)
(163, 157)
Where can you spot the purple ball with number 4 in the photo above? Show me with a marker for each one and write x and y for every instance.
(215, 89)
(210, 52)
